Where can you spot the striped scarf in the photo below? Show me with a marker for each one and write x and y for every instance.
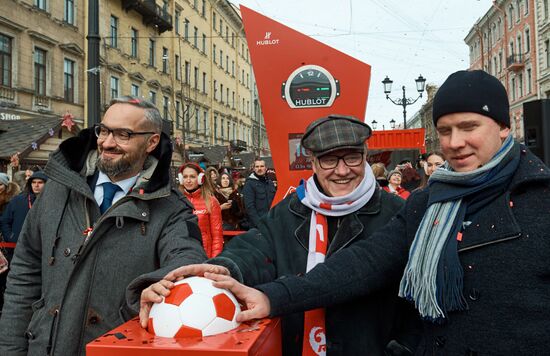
(433, 275)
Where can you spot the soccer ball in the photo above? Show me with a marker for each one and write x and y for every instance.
(194, 308)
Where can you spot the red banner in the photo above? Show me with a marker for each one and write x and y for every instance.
(299, 79)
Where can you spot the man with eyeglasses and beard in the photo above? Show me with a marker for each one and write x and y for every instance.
(107, 215)
(337, 206)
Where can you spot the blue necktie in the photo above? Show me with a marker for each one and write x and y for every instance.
(109, 191)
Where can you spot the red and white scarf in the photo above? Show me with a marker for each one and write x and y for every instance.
(323, 206)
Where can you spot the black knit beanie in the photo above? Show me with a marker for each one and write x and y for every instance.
(472, 91)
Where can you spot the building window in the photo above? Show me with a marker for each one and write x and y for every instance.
(214, 53)
(177, 22)
(187, 72)
(151, 52)
(510, 15)
(196, 37)
(529, 81)
(5, 60)
(221, 93)
(68, 80)
(215, 89)
(134, 90)
(186, 30)
(41, 4)
(221, 27)
(196, 77)
(164, 60)
(178, 114)
(195, 5)
(227, 96)
(232, 40)
(68, 13)
(221, 128)
(178, 67)
(204, 82)
(215, 128)
(203, 43)
(153, 97)
(513, 85)
(165, 103)
(233, 68)
(133, 42)
(205, 120)
(547, 52)
(214, 21)
(526, 6)
(197, 120)
(114, 87)
(203, 8)
(39, 71)
(221, 58)
(114, 32)
(227, 64)
(520, 85)
(527, 40)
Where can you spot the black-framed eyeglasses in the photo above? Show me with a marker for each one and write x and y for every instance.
(331, 161)
(120, 135)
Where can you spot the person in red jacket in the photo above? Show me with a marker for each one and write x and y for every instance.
(199, 191)
(394, 185)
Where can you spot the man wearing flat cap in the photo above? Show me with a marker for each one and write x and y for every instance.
(337, 206)
(470, 251)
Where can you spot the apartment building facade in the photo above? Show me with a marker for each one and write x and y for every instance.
(503, 42)
(189, 57)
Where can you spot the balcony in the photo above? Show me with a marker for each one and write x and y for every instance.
(237, 145)
(7, 93)
(515, 62)
(41, 102)
(152, 13)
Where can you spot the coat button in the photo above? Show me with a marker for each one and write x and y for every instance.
(471, 352)
(440, 341)
(67, 252)
(144, 214)
(93, 320)
(474, 294)
(29, 335)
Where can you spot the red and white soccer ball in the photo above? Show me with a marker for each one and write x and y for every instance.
(194, 308)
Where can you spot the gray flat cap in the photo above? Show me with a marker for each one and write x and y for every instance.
(335, 132)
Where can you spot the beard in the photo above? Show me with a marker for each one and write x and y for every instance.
(127, 163)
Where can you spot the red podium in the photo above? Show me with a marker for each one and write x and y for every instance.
(261, 337)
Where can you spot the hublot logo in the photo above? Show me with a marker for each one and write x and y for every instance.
(267, 41)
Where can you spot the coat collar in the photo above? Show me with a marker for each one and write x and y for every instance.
(531, 169)
(350, 225)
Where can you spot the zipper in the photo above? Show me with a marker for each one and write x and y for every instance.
(489, 243)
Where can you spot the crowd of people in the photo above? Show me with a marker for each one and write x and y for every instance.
(441, 255)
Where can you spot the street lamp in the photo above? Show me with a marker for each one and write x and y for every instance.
(374, 124)
(392, 124)
(404, 101)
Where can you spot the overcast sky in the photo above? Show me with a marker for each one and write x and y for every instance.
(398, 38)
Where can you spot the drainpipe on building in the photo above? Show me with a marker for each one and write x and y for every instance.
(93, 38)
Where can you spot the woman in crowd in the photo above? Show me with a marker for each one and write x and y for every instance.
(394, 185)
(7, 191)
(231, 202)
(379, 171)
(200, 193)
(212, 174)
(434, 160)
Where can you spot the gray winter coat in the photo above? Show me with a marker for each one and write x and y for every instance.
(65, 289)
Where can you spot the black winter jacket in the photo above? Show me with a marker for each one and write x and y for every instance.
(279, 247)
(258, 195)
(504, 254)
